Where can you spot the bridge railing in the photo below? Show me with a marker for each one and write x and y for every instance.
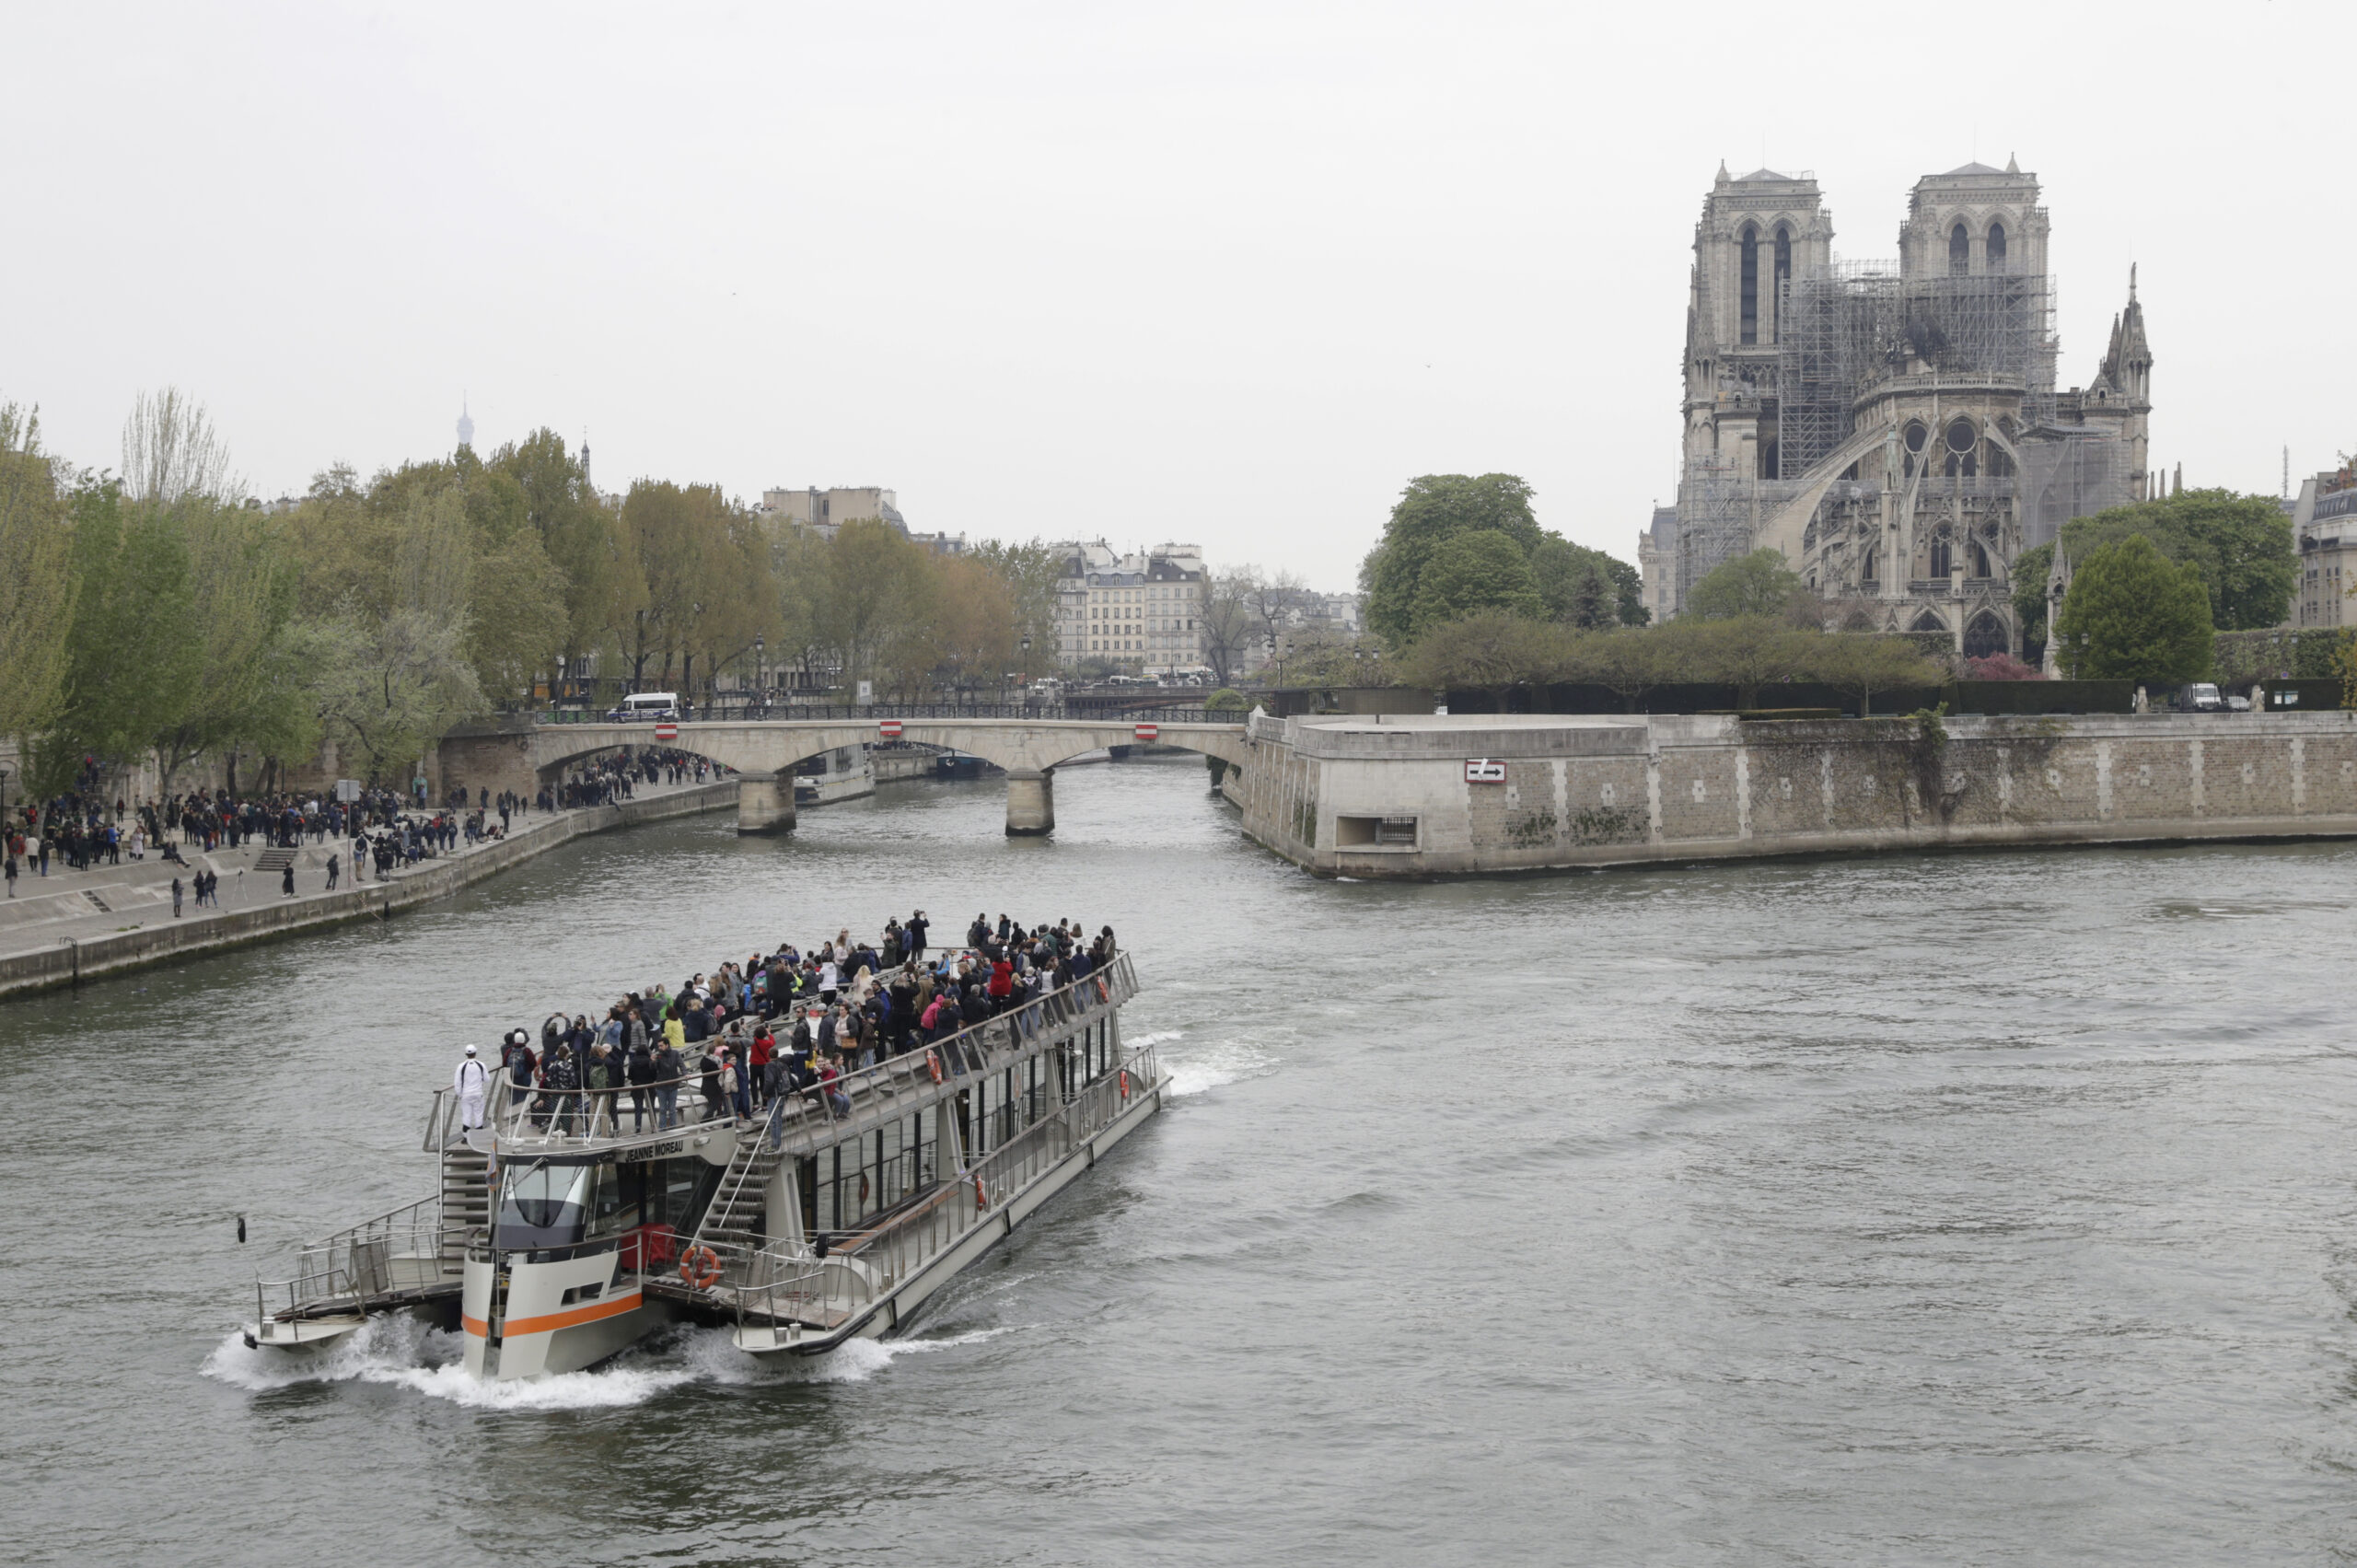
(814, 713)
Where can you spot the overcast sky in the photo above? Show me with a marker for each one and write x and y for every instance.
(1227, 274)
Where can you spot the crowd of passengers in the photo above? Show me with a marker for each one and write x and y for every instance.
(792, 1023)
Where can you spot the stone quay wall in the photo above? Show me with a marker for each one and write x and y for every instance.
(64, 963)
(1357, 798)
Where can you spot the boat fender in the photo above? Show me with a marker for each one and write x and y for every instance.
(932, 1064)
(982, 1199)
(700, 1266)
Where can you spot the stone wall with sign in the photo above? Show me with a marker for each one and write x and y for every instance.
(1384, 796)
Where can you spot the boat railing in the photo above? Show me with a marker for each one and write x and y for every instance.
(516, 1112)
(895, 1247)
(360, 1263)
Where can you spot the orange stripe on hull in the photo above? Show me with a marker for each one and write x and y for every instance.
(474, 1326)
(552, 1321)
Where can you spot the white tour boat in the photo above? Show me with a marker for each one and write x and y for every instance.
(562, 1233)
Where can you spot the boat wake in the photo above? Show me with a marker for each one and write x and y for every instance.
(402, 1351)
(1222, 1062)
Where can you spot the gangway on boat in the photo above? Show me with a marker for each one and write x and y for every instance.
(558, 1236)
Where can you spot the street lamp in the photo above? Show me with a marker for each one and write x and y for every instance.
(761, 665)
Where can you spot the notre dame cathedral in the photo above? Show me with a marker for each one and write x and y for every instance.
(1892, 427)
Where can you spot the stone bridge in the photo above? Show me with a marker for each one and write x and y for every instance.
(763, 752)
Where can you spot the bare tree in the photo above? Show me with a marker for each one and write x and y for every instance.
(170, 449)
(1228, 627)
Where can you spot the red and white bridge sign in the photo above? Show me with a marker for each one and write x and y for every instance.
(890, 730)
(1148, 731)
(667, 732)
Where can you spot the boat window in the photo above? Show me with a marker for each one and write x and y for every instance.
(542, 1205)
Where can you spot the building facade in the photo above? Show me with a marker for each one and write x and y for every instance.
(1892, 427)
(2324, 521)
(1141, 611)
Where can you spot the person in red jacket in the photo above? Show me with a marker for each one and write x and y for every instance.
(764, 1049)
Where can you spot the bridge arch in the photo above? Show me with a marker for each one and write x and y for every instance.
(763, 752)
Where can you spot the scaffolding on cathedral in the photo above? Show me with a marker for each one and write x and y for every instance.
(1714, 520)
(2071, 474)
(1845, 329)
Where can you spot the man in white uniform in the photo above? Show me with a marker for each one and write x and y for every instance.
(470, 1083)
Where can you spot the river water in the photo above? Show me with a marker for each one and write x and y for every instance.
(1968, 1209)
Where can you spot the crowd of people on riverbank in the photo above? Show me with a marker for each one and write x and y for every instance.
(792, 1022)
(385, 829)
(605, 781)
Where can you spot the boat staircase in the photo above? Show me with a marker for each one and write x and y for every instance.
(466, 1204)
(728, 1221)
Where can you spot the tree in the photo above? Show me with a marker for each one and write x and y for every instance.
(2031, 568)
(1033, 573)
(1470, 572)
(133, 653)
(1757, 583)
(2240, 545)
(171, 451)
(385, 693)
(1746, 651)
(1860, 665)
(1586, 588)
(1493, 649)
(1433, 509)
(1228, 621)
(37, 586)
(1630, 662)
(241, 588)
(2134, 614)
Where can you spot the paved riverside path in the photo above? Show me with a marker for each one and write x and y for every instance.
(114, 917)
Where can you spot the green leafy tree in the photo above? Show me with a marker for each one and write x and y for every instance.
(1863, 666)
(1472, 572)
(1031, 572)
(1433, 509)
(1757, 583)
(2241, 546)
(133, 653)
(1586, 588)
(1632, 663)
(2031, 568)
(242, 589)
(1492, 649)
(2134, 614)
(37, 586)
(1746, 652)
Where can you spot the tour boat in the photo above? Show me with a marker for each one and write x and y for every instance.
(845, 772)
(562, 1233)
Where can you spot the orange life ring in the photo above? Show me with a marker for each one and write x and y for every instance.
(932, 1064)
(700, 1266)
(1125, 1082)
(1103, 994)
(982, 1199)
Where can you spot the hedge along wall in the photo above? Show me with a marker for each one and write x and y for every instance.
(1962, 697)
(2241, 658)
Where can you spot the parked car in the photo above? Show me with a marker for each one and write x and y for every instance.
(2201, 697)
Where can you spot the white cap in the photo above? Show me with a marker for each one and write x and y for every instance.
(470, 1050)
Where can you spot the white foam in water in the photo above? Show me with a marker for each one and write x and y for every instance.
(1214, 1065)
(403, 1353)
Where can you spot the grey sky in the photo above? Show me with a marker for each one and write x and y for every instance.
(1227, 274)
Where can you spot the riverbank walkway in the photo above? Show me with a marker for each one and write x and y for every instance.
(66, 906)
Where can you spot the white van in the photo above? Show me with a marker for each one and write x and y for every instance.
(647, 705)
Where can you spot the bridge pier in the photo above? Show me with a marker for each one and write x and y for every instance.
(764, 802)
(1031, 803)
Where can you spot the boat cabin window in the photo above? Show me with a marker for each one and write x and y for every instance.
(542, 1205)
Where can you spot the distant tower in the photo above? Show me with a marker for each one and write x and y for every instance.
(584, 459)
(466, 425)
